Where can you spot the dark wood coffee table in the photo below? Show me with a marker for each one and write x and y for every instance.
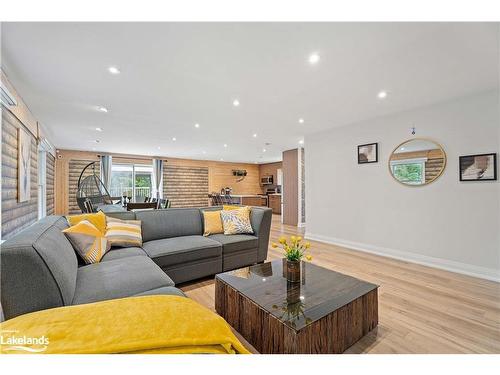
(326, 312)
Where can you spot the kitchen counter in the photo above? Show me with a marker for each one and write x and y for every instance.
(248, 195)
(250, 199)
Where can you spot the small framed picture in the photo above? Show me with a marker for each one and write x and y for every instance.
(482, 167)
(368, 153)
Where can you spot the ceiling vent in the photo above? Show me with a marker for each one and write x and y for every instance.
(6, 97)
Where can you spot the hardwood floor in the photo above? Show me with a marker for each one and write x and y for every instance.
(421, 309)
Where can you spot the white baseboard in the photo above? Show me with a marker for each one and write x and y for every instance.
(448, 265)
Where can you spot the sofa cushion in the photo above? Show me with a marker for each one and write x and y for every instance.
(166, 290)
(169, 251)
(172, 222)
(123, 252)
(118, 278)
(235, 242)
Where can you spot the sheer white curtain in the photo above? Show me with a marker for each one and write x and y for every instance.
(105, 170)
(158, 178)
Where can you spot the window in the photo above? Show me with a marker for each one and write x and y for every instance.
(409, 171)
(132, 180)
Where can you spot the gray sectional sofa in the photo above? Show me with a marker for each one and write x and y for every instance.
(40, 270)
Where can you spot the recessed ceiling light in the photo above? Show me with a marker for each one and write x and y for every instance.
(301, 142)
(225, 145)
(102, 109)
(196, 125)
(98, 129)
(174, 139)
(255, 135)
(264, 150)
(114, 70)
(314, 58)
(382, 95)
(236, 102)
(301, 120)
(159, 148)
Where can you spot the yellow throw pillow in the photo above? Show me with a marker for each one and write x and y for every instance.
(230, 207)
(98, 220)
(87, 241)
(123, 233)
(212, 223)
(237, 221)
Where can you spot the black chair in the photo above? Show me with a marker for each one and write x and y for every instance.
(164, 203)
(89, 208)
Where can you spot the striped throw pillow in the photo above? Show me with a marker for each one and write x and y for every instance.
(123, 233)
(88, 241)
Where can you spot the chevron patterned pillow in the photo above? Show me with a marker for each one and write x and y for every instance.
(88, 241)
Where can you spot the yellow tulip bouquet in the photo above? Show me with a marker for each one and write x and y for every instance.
(294, 249)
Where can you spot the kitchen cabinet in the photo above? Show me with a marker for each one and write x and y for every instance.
(275, 203)
(250, 200)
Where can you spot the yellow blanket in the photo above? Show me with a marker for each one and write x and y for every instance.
(148, 324)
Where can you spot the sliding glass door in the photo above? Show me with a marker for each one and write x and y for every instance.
(131, 180)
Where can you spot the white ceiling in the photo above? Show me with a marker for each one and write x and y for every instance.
(174, 75)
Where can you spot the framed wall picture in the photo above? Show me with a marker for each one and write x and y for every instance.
(368, 153)
(481, 167)
(24, 166)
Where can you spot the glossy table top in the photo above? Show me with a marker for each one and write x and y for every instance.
(320, 291)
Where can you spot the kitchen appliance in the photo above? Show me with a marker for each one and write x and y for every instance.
(267, 180)
(271, 191)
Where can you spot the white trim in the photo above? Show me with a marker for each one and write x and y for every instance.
(6, 97)
(45, 145)
(444, 264)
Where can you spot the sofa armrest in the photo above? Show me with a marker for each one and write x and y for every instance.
(261, 223)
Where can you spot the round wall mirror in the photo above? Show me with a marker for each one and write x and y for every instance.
(417, 162)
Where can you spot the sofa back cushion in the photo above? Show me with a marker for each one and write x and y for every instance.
(172, 222)
(38, 268)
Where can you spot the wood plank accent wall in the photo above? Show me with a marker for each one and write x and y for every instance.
(75, 167)
(290, 187)
(186, 186)
(432, 168)
(50, 180)
(16, 215)
(270, 169)
(219, 173)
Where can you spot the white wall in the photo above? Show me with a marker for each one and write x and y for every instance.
(448, 224)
